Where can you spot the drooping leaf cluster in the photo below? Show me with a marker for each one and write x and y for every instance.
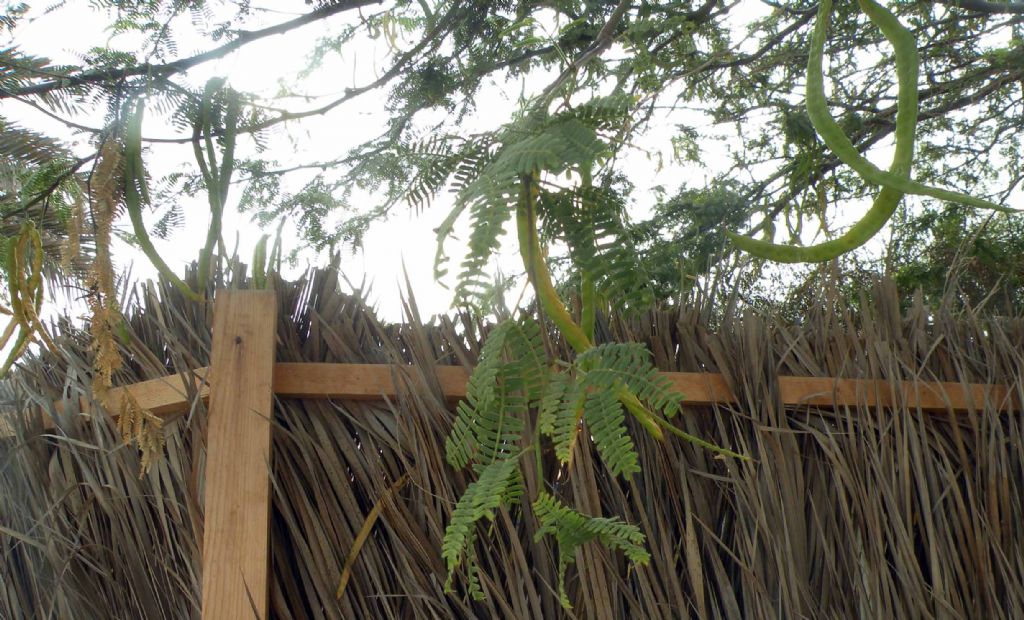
(485, 174)
(515, 386)
(573, 529)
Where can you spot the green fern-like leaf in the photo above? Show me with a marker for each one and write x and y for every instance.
(609, 113)
(480, 501)
(562, 143)
(629, 364)
(589, 391)
(591, 222)
(606, 421)
(488, 186)
(29, 147)
(573, 529)
(561, 412)
(437, 162)
(488, 216)
(510, 377)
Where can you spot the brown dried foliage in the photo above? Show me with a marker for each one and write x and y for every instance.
(839, 514)
(135, 424)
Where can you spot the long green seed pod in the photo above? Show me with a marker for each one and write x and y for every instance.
(537, 270)
(888, 199)
(32, 286)
(12, 290)
(834, 137)
(25, 285)
(540, 277)
(588, 290)
(218, 181)
(894, 183)
(136, 194)
(259, 263)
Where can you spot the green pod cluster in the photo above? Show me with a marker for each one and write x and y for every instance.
(217, 178)
(23, 264)
(136, 194)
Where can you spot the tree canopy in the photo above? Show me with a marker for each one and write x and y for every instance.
(700, 82)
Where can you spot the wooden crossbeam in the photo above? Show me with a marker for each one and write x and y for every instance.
(167, 396)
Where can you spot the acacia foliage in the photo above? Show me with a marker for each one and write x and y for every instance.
(742, 73)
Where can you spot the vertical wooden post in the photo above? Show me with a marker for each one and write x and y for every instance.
(236, 536)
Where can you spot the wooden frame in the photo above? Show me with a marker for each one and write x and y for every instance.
(167, 397)
(236, 523)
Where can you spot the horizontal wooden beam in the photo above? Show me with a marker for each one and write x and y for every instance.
(163, 397)
(356, 381)
(167, 396)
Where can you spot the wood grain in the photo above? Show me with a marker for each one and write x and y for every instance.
(167, 396)
(236, 543)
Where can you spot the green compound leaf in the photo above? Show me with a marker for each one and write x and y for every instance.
(480, 501)
(573, 529)
(509, 377)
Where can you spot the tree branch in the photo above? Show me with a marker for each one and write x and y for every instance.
(603, 41)
(178, 66)
(985, 6)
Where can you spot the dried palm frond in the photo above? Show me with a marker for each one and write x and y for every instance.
(851, 512)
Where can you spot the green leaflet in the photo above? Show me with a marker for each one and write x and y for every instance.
(435, 161)
(630, 364)
(606, 421)
(479, 501)
(488, 180)
(510, 377)
(590, 391)
(562, 144)
(514, 377)
(573, 529)
(560, 413)
(591, 222)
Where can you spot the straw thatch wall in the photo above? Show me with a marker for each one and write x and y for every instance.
(840, 514)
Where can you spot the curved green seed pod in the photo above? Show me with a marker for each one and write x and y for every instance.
(857, 235)
(32, 286)
(896, 182)
(25, 286)
(832, 135)
(136, 194)
(537, 269)
(540, 278)
(218, 181)
(888, 199)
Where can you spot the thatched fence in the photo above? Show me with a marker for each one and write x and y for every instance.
(846, 511)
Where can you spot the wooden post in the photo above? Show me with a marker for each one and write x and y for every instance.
(236, 536)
